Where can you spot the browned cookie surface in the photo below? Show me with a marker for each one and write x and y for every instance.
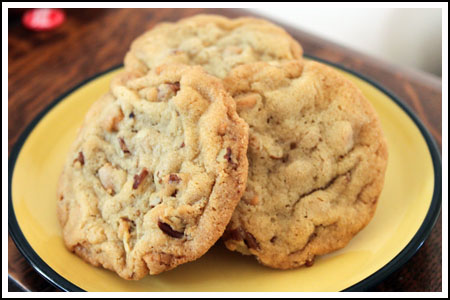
(214, 42)
(155, 172)
(317, 159)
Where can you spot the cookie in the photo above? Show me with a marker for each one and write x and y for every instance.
(214, 42)
(155, 172)
(317, 159)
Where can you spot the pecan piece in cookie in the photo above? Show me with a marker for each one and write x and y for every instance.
(79, 161)
(233, 234)
(139, 178)
(227, 155)
(250, 241)
(240, 234)
(173, 178)
(169, 231)
(309, 262)
(123, 146)
(113, 118)
(175, 86)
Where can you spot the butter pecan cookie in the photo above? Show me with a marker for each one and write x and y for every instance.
(155, 172)
(317, 159)
(214, 42)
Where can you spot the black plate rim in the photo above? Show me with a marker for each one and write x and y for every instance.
(400, 259)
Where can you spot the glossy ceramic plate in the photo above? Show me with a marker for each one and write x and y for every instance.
(407, 210)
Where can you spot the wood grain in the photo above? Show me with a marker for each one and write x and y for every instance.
(42, 66)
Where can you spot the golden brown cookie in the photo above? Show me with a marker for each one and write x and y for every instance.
(317, 159)
(214, 42)
(155, 172)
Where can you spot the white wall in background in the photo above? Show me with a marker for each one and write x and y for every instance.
(405, 36)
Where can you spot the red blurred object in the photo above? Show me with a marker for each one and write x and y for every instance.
(41, 19)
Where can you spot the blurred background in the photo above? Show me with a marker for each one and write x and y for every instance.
(404, 36)
(409, 37)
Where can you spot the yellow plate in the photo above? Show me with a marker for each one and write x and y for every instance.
(407, 210)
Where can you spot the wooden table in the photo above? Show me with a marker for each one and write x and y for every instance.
(44, 65)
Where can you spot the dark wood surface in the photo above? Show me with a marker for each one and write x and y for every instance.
(42, 66)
